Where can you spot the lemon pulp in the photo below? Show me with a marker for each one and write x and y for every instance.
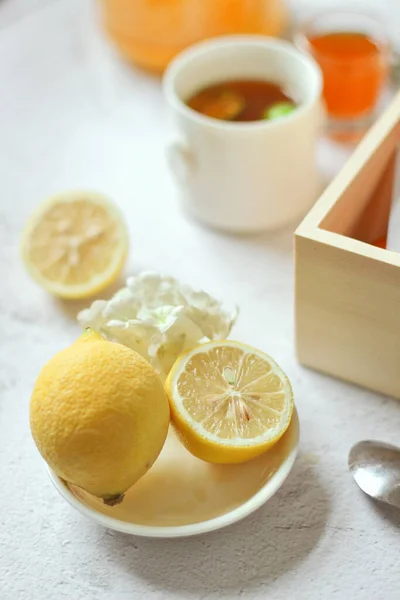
(229, 402)
(75, 244)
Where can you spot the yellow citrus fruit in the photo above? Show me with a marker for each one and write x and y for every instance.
(99, 416)
(229, 402)
(75, 244)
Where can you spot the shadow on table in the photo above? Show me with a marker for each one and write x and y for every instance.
(280, 240)
(386, 512)
(71, 308)
(247, 555)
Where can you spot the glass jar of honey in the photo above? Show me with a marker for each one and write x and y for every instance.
(151, 32)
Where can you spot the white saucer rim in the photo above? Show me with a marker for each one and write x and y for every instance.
(237, 514)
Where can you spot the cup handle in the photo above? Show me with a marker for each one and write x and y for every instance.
(181, 162)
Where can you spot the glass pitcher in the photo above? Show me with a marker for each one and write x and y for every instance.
(151, 32)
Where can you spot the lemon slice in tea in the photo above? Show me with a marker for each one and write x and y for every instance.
(221, 104)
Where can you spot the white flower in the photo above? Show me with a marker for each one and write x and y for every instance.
(159, 318)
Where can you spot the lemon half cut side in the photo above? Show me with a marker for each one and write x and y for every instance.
(75, 244)
(229, 402)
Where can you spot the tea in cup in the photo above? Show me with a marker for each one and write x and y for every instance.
(245, 167)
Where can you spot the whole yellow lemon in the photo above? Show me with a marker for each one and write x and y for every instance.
(99, 416)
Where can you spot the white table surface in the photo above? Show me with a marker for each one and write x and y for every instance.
(71, 116)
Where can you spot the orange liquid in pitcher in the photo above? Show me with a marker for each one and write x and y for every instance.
(355, 67)
(151, 32)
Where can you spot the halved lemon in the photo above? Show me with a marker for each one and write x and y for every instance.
(75, 244)
(229, 402)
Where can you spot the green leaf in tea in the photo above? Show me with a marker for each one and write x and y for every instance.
(279, 110)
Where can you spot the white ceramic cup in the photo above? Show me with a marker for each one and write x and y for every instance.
(248, 176)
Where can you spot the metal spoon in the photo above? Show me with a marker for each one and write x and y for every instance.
(375, 467)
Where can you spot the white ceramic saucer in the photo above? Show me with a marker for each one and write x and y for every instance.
(182, 495)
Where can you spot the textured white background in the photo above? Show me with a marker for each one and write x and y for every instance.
(71, 116)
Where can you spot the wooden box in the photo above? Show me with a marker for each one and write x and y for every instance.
(347, 290)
